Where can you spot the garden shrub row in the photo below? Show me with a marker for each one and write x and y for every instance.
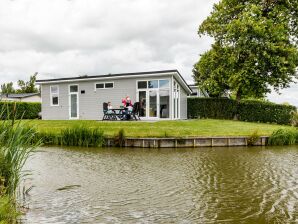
(22, 110)
(245, 110)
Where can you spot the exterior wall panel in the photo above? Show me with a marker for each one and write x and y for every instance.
(183, 104)
(91, 102)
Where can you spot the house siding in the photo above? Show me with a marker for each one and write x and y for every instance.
(183, 104)
(90, 103)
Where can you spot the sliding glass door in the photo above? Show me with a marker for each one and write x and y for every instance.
(154, 98)
(143, 100)
(153, 103)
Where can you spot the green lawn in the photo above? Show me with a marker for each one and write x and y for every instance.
(198, 128)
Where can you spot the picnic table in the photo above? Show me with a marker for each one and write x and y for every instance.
(118, 112)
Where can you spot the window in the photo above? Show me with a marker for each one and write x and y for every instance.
(54, 92)
(153, 84)
(100, 86)
(104, 85)
(142, 85)
(109, 85)
(73, 89)
(164, 83)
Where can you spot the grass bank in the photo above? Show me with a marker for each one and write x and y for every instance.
(188, 128)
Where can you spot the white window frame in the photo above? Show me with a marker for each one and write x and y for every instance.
(176, 96)
(157, 102)
(78, 101)
(104, 85)
(54, 95)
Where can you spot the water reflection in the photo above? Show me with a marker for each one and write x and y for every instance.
(226, 185)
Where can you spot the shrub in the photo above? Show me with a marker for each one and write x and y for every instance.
(284, 137)
(265, 112)
(245, 110)
(20, 110)
(294, 120)
(217, 108)
(251, 140)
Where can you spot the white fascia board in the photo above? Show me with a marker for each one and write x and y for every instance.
(104, 78)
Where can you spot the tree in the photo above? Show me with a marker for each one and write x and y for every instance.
(28, 87)
(254, 50)
(7, 88)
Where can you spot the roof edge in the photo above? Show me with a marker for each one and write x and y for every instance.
(81, 78)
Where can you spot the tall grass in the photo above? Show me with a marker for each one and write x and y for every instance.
(75, 136)
(17, 142)
(120, 138)
(284, 137)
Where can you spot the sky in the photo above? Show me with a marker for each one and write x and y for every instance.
(63, 38)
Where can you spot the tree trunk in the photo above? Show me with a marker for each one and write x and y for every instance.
(238, 99)
(238, 96)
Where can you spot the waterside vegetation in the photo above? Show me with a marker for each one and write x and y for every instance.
(17, 142)
(284, 137)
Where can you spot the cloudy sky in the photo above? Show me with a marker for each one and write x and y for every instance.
(59, 38)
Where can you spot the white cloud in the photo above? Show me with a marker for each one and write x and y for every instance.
(60, 38)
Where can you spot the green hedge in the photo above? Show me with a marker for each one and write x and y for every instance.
(246, 110)
(22, 110)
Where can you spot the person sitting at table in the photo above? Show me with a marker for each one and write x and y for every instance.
(127, 104)
(110, 108)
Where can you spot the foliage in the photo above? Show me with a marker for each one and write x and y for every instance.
(74, 136)
(284, 137)
(17, 142)
(29, 86)
(24, 86)
(82, 136)
(7, 88)
(20, 110)
(8, 213)
(245, 110)
(253, 138)
(120, 138)
(16, 145)
(294, 120)
(264, 111)
(216, 108)
(255, 47)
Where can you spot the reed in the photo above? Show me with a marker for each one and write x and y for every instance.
(75, 136)
(17, 142)
(284, 137)
(120, 138)
(82, 136)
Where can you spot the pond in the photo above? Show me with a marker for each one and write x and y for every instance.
(205, 185)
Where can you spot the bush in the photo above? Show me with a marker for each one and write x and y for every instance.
(216, 108)
(245, 110)
(294, 120)
(265, 112)
(20, 110)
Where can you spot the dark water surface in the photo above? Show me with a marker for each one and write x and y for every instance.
(219, 185)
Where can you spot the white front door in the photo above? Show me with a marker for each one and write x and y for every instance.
(73, 102)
